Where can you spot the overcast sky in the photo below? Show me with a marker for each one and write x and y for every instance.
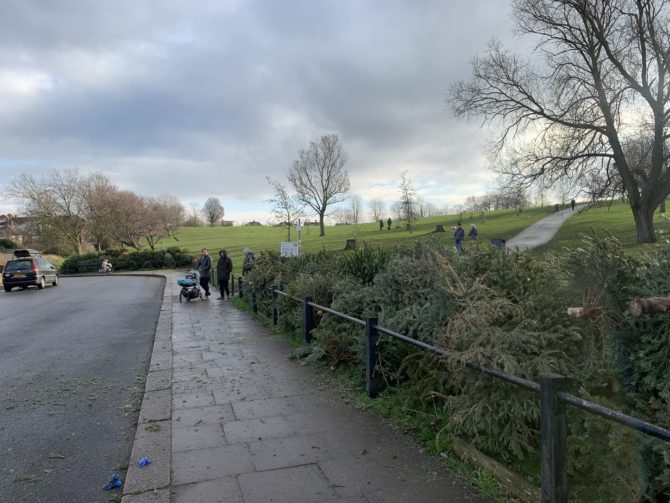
(207, 98)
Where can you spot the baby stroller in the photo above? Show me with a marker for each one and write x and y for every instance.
(190, 286)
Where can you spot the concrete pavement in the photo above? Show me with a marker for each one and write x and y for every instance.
(227, 417)
(543, 231)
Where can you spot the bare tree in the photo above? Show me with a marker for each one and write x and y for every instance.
(397, 210)
(152, 225)
(377, 209)
(194, 220)
(318, 175)
(286, 206)
(128, 219)
(604, 83)
(173, 214)
(100, 197)
(213, 211)
(57, 202)
(407, 200)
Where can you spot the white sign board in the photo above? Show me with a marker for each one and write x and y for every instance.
(290, 249)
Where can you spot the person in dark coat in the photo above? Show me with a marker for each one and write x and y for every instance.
(224, 268)
(248, 263)
(573, 203)
(381, 224)
(205, 269)
(459, 235)
(473, 232)
(389, 222)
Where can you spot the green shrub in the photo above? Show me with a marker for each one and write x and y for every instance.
(125, 261)
(8, 244)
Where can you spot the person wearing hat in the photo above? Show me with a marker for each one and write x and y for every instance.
(248, 263)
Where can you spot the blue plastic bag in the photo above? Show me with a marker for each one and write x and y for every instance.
(143, 461)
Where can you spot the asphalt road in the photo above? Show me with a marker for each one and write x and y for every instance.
(73, 360)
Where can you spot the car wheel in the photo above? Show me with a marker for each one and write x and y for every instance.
(41, 284)
(7, 288)
(55, 281)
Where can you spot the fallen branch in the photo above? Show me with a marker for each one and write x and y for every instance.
(581, 312)
(650, 305)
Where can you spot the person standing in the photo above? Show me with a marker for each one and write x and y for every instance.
(381, 224)
(248, 263)
(205, 270)
(473, 232)
(573, 203)
(224, 267)
(459, 235)
(389, 222)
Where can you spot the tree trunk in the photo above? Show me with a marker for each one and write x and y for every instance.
(644, 223)
(321, 231)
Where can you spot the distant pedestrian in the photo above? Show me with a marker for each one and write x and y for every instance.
(381, 224)
(573, 203)
(473, 232)
(248, 263)
(224, 268)
(205, 269)
(389, 222)
(459, 235)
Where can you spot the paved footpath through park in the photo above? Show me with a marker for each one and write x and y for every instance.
(541, 232)
(227, 417)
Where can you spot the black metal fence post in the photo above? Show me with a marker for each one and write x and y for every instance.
(275, 315)
(239, 284)
(308, 320)
(371, 339)
(553, 440)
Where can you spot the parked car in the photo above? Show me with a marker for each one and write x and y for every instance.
(28, 268)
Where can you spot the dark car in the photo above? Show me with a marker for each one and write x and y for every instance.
(28, 268)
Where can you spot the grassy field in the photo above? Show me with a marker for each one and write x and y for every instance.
(497, 224)
(616, 219)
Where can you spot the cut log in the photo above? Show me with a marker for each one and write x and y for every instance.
(351, 244)
(519, 486)
(650, 305)
(576, 312)
(439, 228)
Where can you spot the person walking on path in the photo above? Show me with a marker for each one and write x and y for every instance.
(224, 268)
(459, 235)
(381, 224)
(389, 222)
(473, 232)
(572, 204)
(205, 269)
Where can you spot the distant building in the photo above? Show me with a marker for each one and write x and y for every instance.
(253, 223)
(313, 222)
(227, 223)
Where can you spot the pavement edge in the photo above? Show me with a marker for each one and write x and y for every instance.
(153, 438)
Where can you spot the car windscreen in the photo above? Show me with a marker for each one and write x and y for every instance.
(18, 265)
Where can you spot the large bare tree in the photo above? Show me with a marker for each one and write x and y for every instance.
(286, 206)
(319, 177)
(602, 83)
(213, 211)
(172, 213)
(56, 203)
(377, 209)
(100, 198)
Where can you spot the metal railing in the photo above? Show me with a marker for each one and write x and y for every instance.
(551, 388)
